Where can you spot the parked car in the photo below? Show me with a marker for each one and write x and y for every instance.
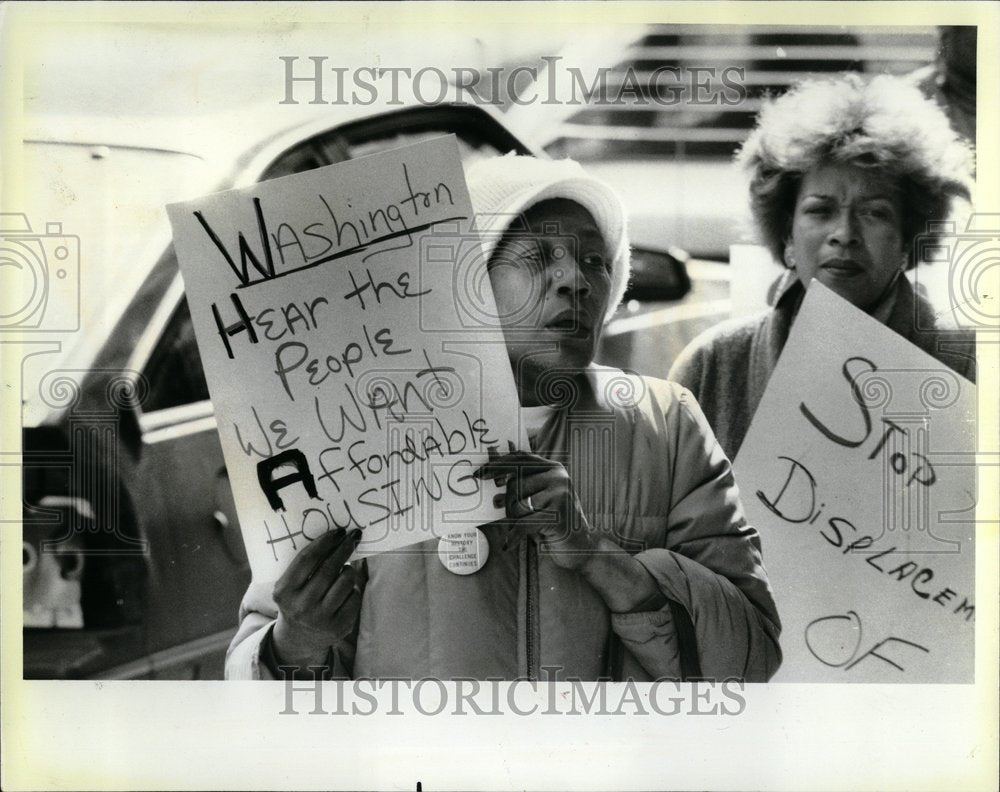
(127, 506)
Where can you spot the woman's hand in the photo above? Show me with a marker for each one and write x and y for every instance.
(541, 502)
(318, 602)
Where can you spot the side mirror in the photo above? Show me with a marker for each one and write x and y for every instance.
(658, 274)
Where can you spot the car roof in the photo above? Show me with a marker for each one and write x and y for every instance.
(221, 137)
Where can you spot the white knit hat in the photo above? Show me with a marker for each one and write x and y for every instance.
(502, 188)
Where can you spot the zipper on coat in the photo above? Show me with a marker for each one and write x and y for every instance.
(531, 579)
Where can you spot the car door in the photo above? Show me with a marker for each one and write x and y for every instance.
(198, 568)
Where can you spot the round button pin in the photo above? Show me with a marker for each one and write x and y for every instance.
(464, 552)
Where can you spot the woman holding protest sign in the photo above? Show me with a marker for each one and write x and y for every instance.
(845, 176)
(624, 553)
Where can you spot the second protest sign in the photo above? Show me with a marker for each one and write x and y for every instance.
(859, 473)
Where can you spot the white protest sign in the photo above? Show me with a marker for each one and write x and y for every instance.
(357, 379)
(859, 472)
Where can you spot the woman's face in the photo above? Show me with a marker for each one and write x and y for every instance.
(552, 284)
(847, 233)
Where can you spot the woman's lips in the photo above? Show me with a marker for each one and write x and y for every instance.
(840, 266)
(570, 323)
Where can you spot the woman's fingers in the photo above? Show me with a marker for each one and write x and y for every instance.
(524, 502)
(309, 558)
(551, 483)
(519, 463)
(330, 567)
(336, 595)
(317, 598)
(526, 472)
(540, 488)
(538, 498)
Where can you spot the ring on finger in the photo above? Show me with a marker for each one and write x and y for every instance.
(527, 504)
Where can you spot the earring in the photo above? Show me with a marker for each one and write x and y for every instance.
(789, 256)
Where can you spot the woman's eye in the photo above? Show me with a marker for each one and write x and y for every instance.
(595, 261)
(818, 210)
(877, 212)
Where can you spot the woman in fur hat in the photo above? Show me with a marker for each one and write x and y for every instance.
(845, 176)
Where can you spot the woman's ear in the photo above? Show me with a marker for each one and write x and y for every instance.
(789, 254)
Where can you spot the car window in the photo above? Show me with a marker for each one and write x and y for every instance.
(315, 154)
(174, 370)
(301, 158)
(469, 149)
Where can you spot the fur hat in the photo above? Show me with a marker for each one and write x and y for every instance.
(502, 188)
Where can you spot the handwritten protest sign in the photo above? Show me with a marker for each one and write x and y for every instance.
(859, 472)
(353, 384)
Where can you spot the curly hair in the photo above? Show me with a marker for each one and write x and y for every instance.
(884, 123)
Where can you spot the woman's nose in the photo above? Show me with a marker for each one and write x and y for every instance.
(568, 277)
(845, 231)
